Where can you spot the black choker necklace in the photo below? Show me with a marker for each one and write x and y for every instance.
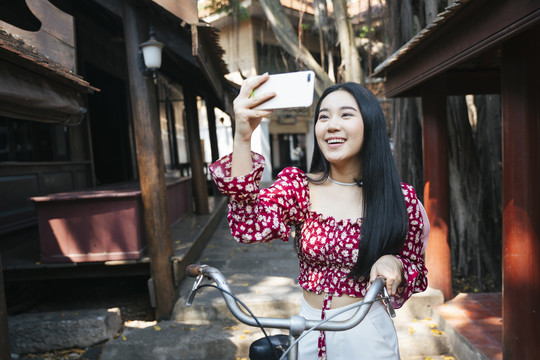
(359, 183)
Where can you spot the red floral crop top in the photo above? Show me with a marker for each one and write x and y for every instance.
(329, 247)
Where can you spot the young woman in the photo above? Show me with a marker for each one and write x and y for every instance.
(353, 218)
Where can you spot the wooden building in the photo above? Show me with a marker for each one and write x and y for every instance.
(91, 147)
(483, 47)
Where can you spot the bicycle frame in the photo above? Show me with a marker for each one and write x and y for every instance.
(295, 324)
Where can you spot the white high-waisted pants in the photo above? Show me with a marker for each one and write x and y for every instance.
(374, 338)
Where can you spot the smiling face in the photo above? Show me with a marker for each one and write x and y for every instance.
(340, 129)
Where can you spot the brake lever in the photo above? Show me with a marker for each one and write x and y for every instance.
(194, 289)
(388, 303)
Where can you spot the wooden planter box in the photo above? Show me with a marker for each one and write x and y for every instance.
(100, 225)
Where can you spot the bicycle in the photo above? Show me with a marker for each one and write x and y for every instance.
(284, 347)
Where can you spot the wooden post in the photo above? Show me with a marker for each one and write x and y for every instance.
(5, 351)
(212, 130)
(436, 187)
(195, 152)
(521, 196)
(151, 168)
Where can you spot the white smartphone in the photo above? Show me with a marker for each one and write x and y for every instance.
(293, 90)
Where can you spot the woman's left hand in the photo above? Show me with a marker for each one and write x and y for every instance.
(389, 267)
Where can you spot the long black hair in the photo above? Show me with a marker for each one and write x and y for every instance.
(385, 223)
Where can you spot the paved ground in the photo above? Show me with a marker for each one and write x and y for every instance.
(264, 277)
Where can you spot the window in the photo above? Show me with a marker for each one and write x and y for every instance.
(32, 141)
(173, 137)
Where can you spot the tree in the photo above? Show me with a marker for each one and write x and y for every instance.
(286, 37)
(407, 123)
(475, 184)
(326, 36)
(350, 68)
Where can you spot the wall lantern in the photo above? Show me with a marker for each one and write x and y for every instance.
(151, 55)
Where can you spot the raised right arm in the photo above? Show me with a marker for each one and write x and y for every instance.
(246, 120)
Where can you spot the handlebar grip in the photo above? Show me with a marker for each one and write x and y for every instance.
(193, 270)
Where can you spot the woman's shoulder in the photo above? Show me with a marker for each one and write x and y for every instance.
(409, 193)
(292, 173)
(291, 178)
(406, 188)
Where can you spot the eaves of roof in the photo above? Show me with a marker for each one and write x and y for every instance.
(18, 52)
(462, 48)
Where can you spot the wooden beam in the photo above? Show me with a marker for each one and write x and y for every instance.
(151, 165)
(459, 82)
(436, 188)
(521, 197)
(475, 29)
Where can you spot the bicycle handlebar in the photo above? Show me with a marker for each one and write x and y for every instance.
(296, 324)
(193, 270)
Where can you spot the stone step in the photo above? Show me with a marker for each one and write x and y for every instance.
(419, 332)
(421, 337)
(40, 332)
(421, 305)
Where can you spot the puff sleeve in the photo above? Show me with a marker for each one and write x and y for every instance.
(261, 215)
(412, 253)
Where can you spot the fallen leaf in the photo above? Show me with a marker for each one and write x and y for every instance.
(157, 328)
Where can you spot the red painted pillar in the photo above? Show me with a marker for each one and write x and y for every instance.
(521, 196)
(436, 188)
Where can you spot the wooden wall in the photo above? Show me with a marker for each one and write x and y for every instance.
(21, 181)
